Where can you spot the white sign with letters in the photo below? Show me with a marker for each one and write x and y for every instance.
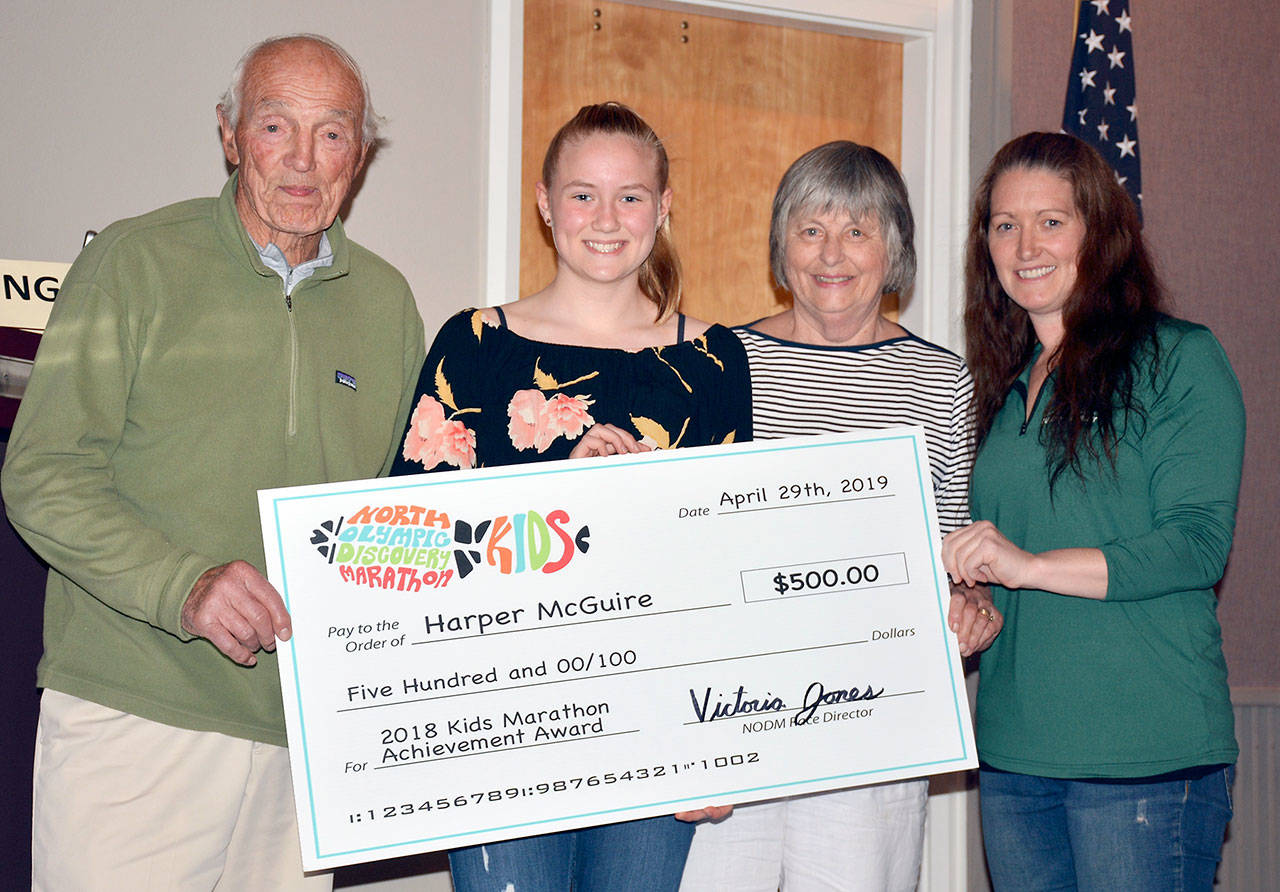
(29, 290)
(482, 655)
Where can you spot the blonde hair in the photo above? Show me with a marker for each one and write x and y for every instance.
(660, 272)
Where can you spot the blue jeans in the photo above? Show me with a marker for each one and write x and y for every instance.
(1045, 833)
(634, 856)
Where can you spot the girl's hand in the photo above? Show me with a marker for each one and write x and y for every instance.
(606, 439)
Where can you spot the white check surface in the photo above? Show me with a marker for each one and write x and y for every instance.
(718, 625)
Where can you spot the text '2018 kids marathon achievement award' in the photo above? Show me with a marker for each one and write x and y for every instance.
(482, 655)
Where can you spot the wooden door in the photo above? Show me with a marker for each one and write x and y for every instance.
(734, 102)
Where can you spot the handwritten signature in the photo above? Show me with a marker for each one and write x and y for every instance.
(741, 702)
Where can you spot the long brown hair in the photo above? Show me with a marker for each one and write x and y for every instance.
(660, 272)
(1110, 315)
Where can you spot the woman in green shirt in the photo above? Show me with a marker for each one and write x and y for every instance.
(1110, 444)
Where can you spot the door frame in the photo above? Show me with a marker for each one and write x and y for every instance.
(935, 38)
(936, 45)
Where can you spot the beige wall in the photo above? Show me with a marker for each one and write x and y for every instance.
(1208, 78)
(108, 114)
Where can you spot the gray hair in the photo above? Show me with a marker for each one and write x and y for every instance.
(845, 176)
(230, 103)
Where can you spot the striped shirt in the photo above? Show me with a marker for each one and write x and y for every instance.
(800, 389)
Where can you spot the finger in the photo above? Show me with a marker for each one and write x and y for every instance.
(958, 623)
(582, 450)
(955, 550)
(971, 559)
(596, 441)
(606, 439)
(281, 624)
(957, 568)
(269, 616)
(993, 629)
(971, 629)
(988, 628)
(629, 443)
(949, 556)
(229, 618)
(226, 642)
(988, 635)
(261, 626)
(952, 546)
(963, 623)
(955, 612)
(619, 439)
(961, 629)
(710, 813)
(236, 602)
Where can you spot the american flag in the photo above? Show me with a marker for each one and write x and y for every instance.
(1101, 106)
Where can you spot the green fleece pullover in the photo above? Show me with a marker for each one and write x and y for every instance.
(1133, 685)
(172, 383)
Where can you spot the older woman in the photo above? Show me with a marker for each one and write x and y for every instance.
(841, 236)
(1111, 439)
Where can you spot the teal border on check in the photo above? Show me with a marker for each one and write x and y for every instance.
(559, 468)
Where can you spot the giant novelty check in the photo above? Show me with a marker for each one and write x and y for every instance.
(482, 655)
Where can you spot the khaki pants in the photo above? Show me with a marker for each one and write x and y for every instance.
(126, 803)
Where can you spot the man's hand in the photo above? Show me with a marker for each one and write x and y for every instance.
(235, 607)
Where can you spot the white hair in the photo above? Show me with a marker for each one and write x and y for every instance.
(845, 176)
(230, 103)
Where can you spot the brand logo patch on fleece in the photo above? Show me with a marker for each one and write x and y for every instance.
(344, 379)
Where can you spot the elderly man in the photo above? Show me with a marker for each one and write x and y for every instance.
(197, 354)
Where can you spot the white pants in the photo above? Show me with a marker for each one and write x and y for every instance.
(126, 803)
(867, 838)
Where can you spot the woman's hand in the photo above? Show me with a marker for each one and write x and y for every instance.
(979, 554)
(606, 439)
(973, 617)
(710, 813)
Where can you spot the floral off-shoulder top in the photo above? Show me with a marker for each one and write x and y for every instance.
(487, 396)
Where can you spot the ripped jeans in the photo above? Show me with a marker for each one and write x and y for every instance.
(1162, 835)
(633, 856)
